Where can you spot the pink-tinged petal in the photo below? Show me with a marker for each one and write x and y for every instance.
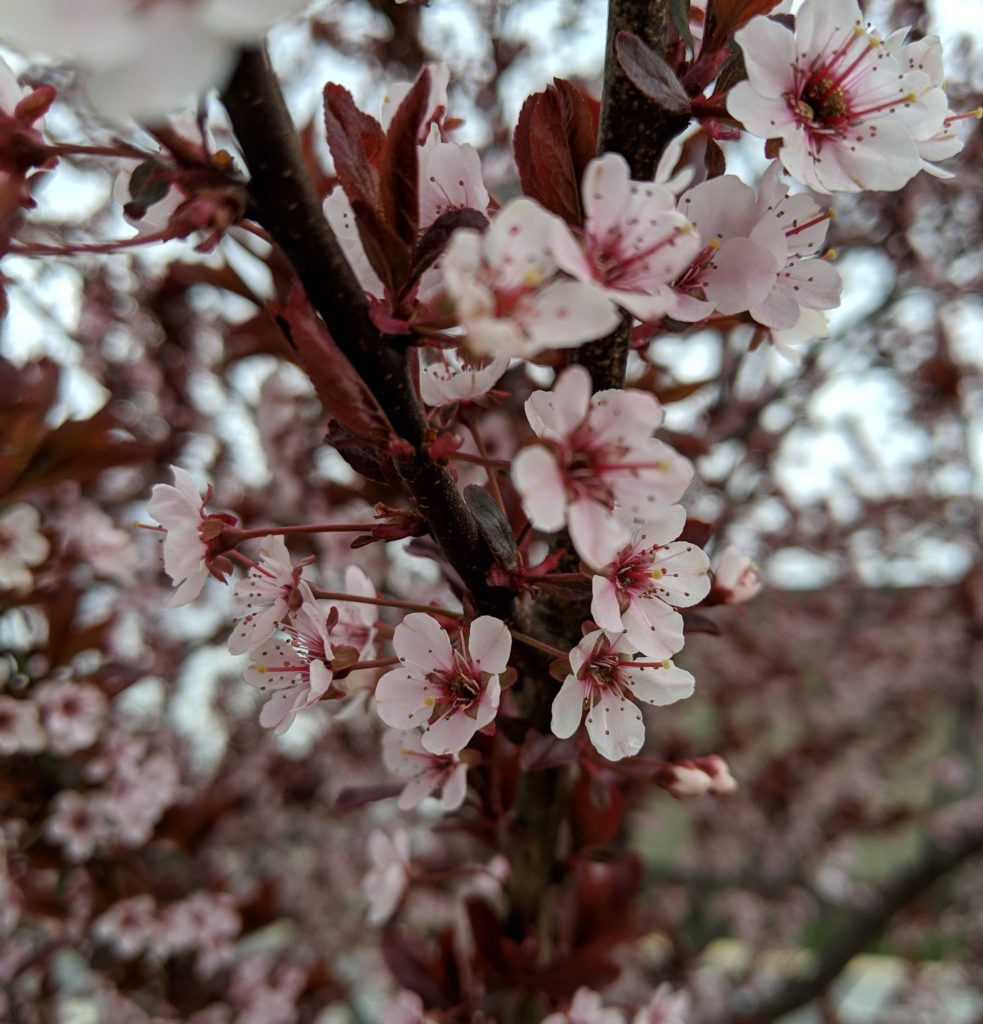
(539, 481)
(616, 415)
(189, 589)
(251, 631)
(653, 627)
(816, 283)
(565, 314)
(487, 708)
(604, 607)
(662, 526)
(455, 788)
(607, 193)
(722, 207)
(401, 699)
(320, 682)
(168, 506)
(571, 398)
(280, 710)
(660, 686)
(489, 644)
(598, 534)
(517, 245)
(761, 116)
(743, 274)
(769, 56)
(450, 178)
(416, 791)
(450, 734)
(403, 752)
(615, 727)
(422, 643)
(685, 578)
(338, 213)
(569, 253)
(779, 309)
(568, 708)
(185, 483)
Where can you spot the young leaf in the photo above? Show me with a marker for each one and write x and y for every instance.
(650, 73)
(493, 525)
(555, 139)
(399, 161)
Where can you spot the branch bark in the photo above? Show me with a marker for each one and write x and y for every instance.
(286, 204)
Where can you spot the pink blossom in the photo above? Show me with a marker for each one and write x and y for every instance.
(451, 379)
(405, 756)
(665, 1007)
(505, 292)
(138, 793)
(73, 714)
(205, 923)
(586, 1008)
(268, 593)
(22, 546)
(451, 693)
(385, 882)
(129, 926)
(597, 465)
(20, 728)
(190, 534)
(449, 178)
(736, 575)
(757, 255)
(78, 823)
(356, 621)
(634, 242)
(299, 671)
(633, 593)
(603, 682)
(339, 214)
(846, 113)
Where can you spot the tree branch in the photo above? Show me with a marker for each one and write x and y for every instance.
(862, 927)
(286, 204)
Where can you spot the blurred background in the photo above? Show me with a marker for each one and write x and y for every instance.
(163, 858)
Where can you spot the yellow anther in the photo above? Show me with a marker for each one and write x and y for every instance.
(429, 701)
(714, 243)
(261, 669)
(657, 574)
(666, 663)
(830, 254)
(978, 113)
(831, 213)
(532, 277)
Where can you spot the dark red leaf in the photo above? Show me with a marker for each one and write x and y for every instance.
(598, 807)
(725, 17)
(584, 966)
(555, 139)
(493, 525)
(358, 796)
(431, 246)
(355, 140)
(342, 392)
(398, 165)
(650, 73)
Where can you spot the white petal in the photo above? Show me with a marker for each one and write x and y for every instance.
(660, 686)
(421, 642)
(604, 607)
(539, 482)
(489, 644)
(568, 708)
(653, 627)
(615, 727)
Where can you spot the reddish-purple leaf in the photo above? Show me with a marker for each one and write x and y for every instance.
(555, 139)
(398, 164)
(358, 796)
(650, 73)
(355, 140)
(342, 392)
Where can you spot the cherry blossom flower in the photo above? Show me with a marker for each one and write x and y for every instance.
(20, 728)
(437, 101)
(451, 693)
(925, 56)
(137, 795)
(107, 548)
(22, 546)
(633, 593)
(339, 214)
(840, 103)
(268, 593)
(73, 714)
(78, 823)
(586, 1008)
(143, 60)
(356, 621)
(194, 542)
(204, 923)
(405, 756)
(505, 293)
(129, 926)
(736, 576)
(634, 243)
(385, 882)
(451, 379)
(449, 179)
(665, 1007)
(596, 466)
(684, 781)
(300, 671)
(603, 682)
(757, 253)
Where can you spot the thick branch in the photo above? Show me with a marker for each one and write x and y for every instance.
(286, 204)
(864, 926)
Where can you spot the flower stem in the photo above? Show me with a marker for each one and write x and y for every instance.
(283, 531)
(387, 602)
(481, 460)
(531, 641)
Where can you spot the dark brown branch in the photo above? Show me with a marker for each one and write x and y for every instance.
(286, 204)
(864, 926)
